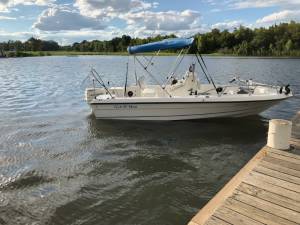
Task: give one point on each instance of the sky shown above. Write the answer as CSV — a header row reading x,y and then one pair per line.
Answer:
x,y
68,21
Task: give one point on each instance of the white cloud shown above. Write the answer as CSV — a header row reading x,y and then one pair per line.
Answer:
x,y
215,10
166,21
110,8
6,4
33,2
70,36
229,25
7,18
241,4
140,20
282,16
287,10
22,36
139,17
81,35
60,18
88,20
143,33
63,37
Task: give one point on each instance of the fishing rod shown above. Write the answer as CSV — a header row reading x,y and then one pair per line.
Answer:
x,y
100,81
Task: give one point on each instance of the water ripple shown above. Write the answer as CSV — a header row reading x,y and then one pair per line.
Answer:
x,y
61,166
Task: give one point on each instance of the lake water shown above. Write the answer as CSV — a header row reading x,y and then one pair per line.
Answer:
x,y
58,165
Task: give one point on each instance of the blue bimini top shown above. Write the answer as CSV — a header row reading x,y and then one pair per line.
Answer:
x,y
171,43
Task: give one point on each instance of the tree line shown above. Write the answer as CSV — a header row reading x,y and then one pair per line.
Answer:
x,y
277,40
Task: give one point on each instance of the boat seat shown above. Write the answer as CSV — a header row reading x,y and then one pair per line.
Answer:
x,y
104,97
260,90
148,92
179,84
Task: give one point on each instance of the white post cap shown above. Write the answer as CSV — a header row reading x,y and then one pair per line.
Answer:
x,y
279,134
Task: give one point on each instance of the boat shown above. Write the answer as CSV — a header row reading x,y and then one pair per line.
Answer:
x,y
184,98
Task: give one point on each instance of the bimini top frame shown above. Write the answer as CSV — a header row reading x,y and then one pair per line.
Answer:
x,y
168,44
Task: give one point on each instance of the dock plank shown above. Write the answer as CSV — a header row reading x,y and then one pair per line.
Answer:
x,y
284,153
279,168
234,217
270,196
275,181
277,174
267,206
215,221
285,158
256,214
257,182
281,162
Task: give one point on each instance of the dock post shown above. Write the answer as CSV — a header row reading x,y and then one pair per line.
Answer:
x,y
279,134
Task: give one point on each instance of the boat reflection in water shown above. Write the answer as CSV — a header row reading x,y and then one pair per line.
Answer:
x,y
251,128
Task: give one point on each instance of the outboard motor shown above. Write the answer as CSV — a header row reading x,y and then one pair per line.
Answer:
x,y
287,89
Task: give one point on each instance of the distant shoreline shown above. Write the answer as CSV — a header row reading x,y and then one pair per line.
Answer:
x,y
77,53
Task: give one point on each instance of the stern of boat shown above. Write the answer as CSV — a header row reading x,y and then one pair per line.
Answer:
x,y
92,93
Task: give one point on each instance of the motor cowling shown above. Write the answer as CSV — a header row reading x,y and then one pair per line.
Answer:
x,y
287,89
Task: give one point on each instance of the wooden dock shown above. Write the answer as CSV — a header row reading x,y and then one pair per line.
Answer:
x,y
265,191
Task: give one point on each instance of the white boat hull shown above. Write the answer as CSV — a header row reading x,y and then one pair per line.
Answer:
x,y
179,111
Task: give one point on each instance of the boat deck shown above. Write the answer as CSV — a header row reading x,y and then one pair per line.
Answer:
x,y
265,191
